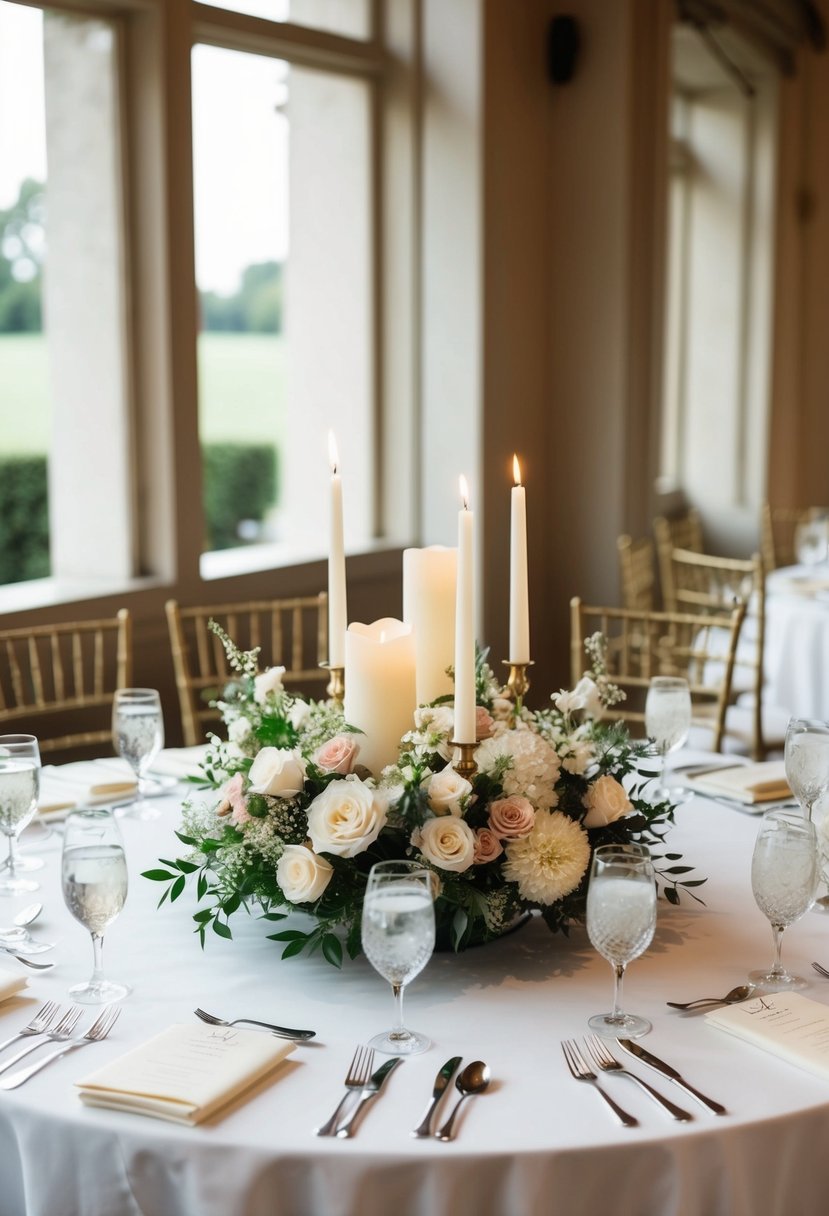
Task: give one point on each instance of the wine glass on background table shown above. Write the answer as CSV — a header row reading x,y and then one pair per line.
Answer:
x,y
138,737
807,760
398,937
621,918
667,722
94,878
19,786
784,875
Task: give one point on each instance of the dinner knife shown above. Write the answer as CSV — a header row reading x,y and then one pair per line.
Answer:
x,y
370,1090
640,1053
441,1085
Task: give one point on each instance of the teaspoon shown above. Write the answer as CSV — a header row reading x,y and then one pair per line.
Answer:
x,y
26,916
741,993
473,1080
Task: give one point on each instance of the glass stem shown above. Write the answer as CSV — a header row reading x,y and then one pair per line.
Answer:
x,y
12,856
618,979
398,1030
777,935
98,958
809,807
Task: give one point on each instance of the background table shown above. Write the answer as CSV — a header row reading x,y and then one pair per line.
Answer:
x,y
797,640
536,1143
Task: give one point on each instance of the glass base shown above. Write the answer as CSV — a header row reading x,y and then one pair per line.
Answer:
x,y
625,1026
407,1043
138,810
17,885
26,864
768,981
99,992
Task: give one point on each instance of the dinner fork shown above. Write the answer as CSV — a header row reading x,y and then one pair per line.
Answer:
x,y
359,1071
608,1063
580,1072
99,1029
40,1022
283,1032
821,970
63,1030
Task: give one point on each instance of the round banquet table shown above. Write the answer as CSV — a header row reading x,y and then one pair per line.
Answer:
x,y
536,1144
796,659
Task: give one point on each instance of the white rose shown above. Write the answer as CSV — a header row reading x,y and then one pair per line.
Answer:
x,y
302,875
447,842
587,690
238,730
298,714
277,771
268,681
606,801
445,790
346,817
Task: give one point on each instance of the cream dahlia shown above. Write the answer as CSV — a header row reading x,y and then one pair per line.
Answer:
x,y
550,862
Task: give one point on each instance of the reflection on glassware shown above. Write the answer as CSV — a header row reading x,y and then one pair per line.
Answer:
x,y
398,936
667,721
19,785
94,877
784,877
138,737
621,918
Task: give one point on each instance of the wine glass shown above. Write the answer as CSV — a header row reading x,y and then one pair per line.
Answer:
x,y
94,878
621,918
807,760
784,878
138,737
398,934
19,785
667,720
810,541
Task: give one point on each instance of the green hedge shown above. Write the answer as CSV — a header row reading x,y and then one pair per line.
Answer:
x,y
240,483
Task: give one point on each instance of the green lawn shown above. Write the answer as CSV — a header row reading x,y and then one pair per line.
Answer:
x,y
241,386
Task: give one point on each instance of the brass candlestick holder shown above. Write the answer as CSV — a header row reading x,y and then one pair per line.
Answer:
x,y
466,766
336,682
518,682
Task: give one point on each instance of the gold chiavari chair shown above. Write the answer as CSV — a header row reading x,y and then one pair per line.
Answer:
x,y
778,532
675,532
701,647
637,572
51,674
290,632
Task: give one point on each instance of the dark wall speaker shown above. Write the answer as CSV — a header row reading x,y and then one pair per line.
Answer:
x,y
563,43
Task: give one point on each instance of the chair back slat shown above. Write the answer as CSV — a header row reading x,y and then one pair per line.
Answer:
x,y
683,531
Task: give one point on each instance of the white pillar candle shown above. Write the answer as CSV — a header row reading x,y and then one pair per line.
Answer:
x,y
429,583
519,602
465,626
337,612
379,688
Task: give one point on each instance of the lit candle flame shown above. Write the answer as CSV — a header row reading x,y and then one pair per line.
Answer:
x,y
333,458
516,470
464,489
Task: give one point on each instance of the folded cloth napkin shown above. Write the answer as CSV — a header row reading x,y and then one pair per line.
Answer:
x,y
786,1024
749,783
86,783
180,762
10,984
186,1073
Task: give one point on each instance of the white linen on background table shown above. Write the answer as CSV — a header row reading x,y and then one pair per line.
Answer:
x,y
537,1144
797,645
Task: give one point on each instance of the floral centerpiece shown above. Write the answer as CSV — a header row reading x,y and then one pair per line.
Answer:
x,y
288,819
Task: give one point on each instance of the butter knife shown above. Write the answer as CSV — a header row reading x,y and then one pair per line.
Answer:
x,y
640,1053
441,1085
370,1090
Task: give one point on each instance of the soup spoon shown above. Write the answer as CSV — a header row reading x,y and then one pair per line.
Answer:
x,y
473,1080
741,993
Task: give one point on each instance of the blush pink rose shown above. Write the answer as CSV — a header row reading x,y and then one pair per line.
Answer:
x,y
511,818
338,754
233,801
487,847
483,723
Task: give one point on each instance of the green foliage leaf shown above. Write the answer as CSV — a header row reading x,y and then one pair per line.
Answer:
x,y
177,888
295,947
158,875
221,929
332,949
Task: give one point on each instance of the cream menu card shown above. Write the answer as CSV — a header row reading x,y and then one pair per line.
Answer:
x,y
785,1023
186,1073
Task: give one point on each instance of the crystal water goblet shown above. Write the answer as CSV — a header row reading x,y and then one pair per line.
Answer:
x,y
807,760
19,786
621,918
138,737
784,877
94,880
667,721
398,937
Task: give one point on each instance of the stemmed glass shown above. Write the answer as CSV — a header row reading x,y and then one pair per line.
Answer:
x,y
94,878
398,935
621,918
138,737
784,878
667,720
807,760
19,785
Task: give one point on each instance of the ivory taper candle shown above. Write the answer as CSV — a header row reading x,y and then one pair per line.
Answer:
x,y
519,601
337,611
465,625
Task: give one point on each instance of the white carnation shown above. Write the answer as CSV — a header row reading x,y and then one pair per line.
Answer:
x,y
269,681
238,730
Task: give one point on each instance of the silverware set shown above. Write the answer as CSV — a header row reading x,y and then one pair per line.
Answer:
x,y
51,1025
596,1055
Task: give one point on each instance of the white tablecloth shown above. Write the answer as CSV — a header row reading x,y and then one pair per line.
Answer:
x,y
797,640
537,1144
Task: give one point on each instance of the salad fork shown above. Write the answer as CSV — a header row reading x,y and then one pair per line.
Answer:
x,y
608,1063
359,1071
40,1022
821,970
580,1072
99,1029
284,1032
63,1030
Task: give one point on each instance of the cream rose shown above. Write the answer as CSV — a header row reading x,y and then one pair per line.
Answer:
x,y
606,801
346,817
444,791
268,681
302,875
338,754
511,818
277,771
487,847
448,843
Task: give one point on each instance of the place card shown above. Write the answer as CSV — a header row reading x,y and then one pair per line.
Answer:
x,y
749,783
784,1023
186,1073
